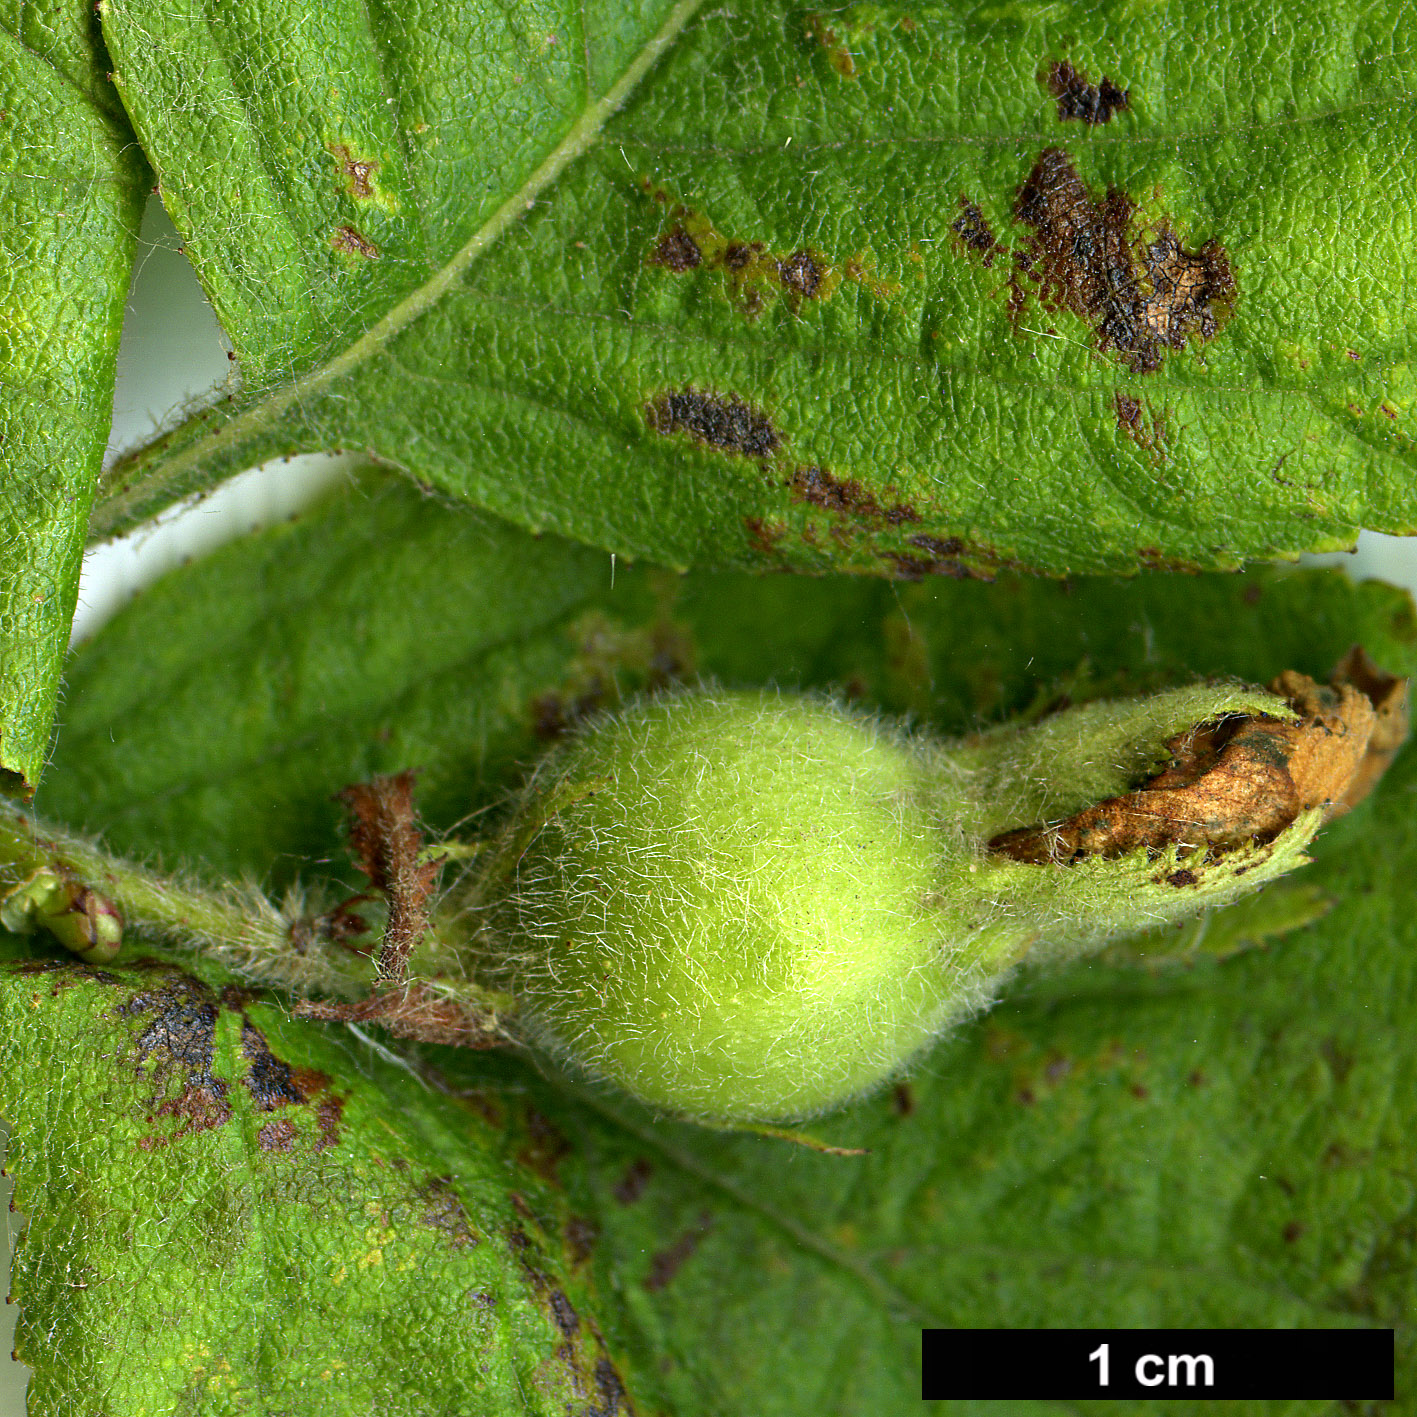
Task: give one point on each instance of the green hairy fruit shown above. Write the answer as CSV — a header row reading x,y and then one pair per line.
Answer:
x,y
750,907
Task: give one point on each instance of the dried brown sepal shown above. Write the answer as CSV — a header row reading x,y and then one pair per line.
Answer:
x,y
1389,698
1241,780
386,844
417,1012
341,925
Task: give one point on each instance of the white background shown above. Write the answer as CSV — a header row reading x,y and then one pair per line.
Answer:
x,y
172,355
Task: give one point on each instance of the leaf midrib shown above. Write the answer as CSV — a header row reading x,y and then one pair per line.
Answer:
x,y
272,406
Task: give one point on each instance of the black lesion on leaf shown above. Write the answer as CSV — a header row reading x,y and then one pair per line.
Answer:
x,y
721,421
270,1082
1142,296
443,1211
666,1263
1078,99
677,251
631,1186
180,1040
563,1313
846,497
974,231
801,273
944,556
545,1147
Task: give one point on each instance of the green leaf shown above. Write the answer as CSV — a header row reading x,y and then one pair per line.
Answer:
x,y
839,291
70,198
1227,1144
1223,1145
268,1218
378,632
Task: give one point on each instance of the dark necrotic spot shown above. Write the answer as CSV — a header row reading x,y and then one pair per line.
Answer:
x,y
181,1040
444,1212
270,1082
567,1319
666,1263
721,421
1082,258
1089,103
677,251
545,1147
279,1135
353,243
846,497
357,171
631,1186
738,253
1128,412
1181,878
581,1235
612,1390
801,272
973,230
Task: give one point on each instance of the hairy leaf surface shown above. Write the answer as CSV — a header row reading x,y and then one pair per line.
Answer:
x,y
70,197
1224,1145
874,288
293,1224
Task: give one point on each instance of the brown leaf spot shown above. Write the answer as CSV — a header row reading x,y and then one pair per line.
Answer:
x,y
1141,298
718,421
581,1235
545,1147
444,1213
631,1186
845,497
1078,99
1181,878
613,1398
838,55
279,1135
974,232
801,273
349,241
903,1100
1292,1232
666,1263
942,559
271,1082
563,1314
1241,779
677,251
764,535
181,1040
355,170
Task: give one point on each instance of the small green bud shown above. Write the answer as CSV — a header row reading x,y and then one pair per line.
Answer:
x,y
81,919
752,906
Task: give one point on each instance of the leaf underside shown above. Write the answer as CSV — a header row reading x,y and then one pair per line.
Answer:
x,y
874,289
1224,1145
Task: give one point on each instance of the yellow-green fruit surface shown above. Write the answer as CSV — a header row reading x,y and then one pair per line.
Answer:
x,y
725,909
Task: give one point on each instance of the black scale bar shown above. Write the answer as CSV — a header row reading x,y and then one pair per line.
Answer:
x,y
1353,1364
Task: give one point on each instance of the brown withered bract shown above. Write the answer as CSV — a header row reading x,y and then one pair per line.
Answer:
x,y
1243,779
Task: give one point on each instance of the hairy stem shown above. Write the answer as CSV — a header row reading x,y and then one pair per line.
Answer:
x,y
236,926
